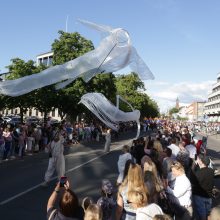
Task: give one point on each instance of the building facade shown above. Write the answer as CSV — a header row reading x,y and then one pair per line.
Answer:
x,y
195,111
212,106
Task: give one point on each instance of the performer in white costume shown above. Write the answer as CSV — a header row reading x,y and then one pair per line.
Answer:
x,y
107,140
57,161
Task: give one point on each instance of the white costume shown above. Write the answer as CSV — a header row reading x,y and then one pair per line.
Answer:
x,y
107,140
57,161
121,165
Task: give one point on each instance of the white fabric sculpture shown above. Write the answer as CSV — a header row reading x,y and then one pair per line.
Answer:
x,y
113,53
109,114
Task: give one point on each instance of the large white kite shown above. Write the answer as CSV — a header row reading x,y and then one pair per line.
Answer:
x,y
113,53
108,113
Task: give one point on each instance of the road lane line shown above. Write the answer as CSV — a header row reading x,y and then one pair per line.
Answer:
x,y
68,171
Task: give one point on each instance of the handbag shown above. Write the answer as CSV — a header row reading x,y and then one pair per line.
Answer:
x,y
165,204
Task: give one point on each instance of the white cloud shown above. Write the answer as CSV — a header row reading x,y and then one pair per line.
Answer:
x,y
165,94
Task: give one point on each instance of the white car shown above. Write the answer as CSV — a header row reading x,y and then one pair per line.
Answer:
x,y
7,119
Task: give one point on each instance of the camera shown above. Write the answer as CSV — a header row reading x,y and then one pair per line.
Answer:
x,y
63,180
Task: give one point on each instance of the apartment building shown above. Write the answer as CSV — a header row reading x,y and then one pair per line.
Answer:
x,y
212,106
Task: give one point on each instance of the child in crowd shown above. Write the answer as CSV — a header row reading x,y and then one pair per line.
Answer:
x,y
106,201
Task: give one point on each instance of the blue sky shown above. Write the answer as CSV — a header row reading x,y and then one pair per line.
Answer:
x,y
178,39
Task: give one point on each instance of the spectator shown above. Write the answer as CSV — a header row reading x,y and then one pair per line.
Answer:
x,y
69,208
152,181
93,212
215,213
162,217
182,193
121,163
133,180
175,149
167,162
144,211
202,179
106,201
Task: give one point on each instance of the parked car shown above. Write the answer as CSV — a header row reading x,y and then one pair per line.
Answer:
x,y
15,120
32,120
6,118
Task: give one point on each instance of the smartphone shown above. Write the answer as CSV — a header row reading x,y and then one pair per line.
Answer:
x,y
195,156
63,180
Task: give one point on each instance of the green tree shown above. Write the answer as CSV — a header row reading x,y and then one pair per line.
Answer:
x,y
131,88
69,46
19,68
173,110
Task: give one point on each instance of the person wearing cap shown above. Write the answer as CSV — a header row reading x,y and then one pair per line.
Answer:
x,y
106,201
202,179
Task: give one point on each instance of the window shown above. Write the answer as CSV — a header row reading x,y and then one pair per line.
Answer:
x,y
53,113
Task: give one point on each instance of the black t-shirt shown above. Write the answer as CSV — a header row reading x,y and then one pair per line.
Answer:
x,y
57,215
202,182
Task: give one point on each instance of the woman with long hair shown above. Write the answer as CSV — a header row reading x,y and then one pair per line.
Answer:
x,y
152,180
134,180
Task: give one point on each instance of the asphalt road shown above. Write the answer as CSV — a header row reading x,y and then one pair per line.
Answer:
x,y
22,197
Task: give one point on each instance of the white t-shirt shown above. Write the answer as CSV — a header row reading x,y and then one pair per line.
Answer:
x,y
182,190
121,165
192,150
148,212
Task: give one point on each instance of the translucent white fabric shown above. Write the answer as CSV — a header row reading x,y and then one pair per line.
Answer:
x,y
108,113
112,54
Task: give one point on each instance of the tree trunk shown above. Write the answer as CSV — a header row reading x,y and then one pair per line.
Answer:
x,y
22,114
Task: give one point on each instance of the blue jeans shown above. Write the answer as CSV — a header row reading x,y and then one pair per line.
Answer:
x,y
202,206
7,149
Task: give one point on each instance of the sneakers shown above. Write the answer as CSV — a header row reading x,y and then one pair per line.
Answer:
x,y
86,202
44,184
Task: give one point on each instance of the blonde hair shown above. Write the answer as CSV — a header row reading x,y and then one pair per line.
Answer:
x,y
93,212
158,146
178,166
215,213
137,197
134,179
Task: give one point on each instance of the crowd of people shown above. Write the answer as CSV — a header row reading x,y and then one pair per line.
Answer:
x,y
19,140
163,175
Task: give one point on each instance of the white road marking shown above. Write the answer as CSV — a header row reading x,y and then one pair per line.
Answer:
x,y
68,171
